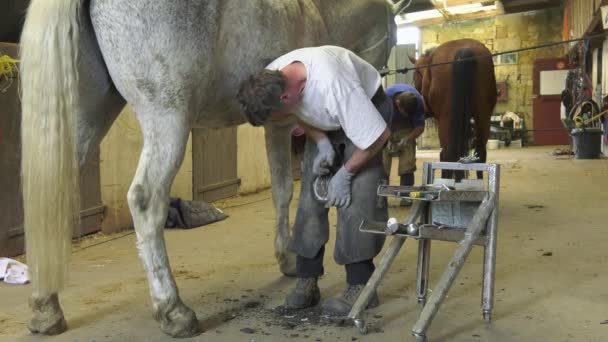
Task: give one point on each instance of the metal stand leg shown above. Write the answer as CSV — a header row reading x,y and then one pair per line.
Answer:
x,y
489,260
455,265
374,282
487,295
420,337
385,263
422,276
489,268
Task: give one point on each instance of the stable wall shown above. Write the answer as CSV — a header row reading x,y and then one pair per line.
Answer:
x,y
119,155
252,162
502,33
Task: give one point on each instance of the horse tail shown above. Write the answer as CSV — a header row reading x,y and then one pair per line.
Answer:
x,y
462,98
49,166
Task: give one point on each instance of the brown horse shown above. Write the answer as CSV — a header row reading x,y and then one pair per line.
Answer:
x,y
458,94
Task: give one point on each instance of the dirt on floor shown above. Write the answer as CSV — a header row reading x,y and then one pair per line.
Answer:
x,y
551,283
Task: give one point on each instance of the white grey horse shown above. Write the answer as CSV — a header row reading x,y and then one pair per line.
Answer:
x,y
179,65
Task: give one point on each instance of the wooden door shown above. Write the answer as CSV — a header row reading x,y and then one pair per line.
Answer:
x,y
214,168
11,208
549,80
12,17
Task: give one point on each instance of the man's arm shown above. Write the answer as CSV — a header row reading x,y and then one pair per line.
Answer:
x,y
415,133
312,132
324,159
361,157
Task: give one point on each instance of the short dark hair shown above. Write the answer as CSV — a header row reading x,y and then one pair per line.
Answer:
x,y
408,102
260,95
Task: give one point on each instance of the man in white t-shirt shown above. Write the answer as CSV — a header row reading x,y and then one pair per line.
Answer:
x,y
338,99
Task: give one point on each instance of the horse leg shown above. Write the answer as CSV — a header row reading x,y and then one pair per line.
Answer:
x,y
93,124
165,136
482,154
482,134
278,147
443,125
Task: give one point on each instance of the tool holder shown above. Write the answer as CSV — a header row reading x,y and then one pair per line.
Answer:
x,y
465,212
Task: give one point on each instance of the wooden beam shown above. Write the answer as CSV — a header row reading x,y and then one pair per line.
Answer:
x,y
453,3
500,8
439,7
516,3
455,18
418,7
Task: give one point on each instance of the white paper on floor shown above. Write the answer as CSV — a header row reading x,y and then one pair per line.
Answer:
x,y
13,271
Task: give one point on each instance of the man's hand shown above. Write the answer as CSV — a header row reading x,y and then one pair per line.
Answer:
x,y
402,142
325,157
338,192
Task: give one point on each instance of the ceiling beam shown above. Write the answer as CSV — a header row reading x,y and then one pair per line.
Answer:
x,y
454,18
439,7
453,3
515,3
500,8
418,6
528,8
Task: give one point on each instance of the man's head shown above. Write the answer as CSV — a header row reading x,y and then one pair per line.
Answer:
x,y
260,95
271,94
406,102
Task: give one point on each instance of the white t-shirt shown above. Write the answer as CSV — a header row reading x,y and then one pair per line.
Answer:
x,y
337,93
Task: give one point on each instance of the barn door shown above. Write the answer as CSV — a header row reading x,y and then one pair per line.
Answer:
x,y
214,172
547,85
11,207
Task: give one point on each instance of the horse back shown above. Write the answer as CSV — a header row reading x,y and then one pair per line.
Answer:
x,y
441,83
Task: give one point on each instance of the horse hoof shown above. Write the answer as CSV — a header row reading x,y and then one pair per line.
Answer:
x,y
48,317
180,321
287,264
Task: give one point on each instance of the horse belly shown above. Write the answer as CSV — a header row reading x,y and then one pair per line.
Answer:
x,y
265,31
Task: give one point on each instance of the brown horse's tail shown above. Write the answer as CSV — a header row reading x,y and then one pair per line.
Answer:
x,y
462,98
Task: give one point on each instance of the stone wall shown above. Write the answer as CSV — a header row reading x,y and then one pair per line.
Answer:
x,y
502,33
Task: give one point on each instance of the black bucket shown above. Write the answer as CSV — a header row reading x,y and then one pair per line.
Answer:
x,y
587,143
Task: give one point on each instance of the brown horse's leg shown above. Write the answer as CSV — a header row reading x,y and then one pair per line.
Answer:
x,y
482,154
444,138
482,131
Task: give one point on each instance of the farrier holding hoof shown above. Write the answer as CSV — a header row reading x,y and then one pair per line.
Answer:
x,y
339,101
406,126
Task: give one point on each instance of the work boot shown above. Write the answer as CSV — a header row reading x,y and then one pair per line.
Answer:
x,y
306,294
405,202
340,306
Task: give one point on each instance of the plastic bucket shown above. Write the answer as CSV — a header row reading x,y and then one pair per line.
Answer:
x,y
587,143
515,144
492,144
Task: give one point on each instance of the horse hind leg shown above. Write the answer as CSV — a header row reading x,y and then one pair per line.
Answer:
x,y
93,123
482,134
165,137
482,154
48,317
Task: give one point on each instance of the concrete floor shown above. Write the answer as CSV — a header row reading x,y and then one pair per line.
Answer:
x,y
224,269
